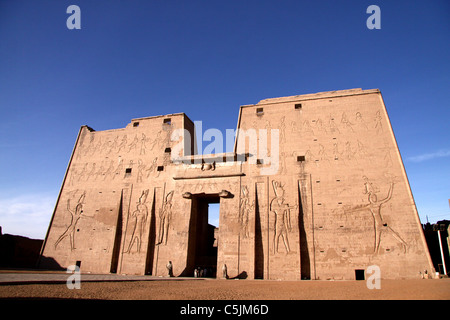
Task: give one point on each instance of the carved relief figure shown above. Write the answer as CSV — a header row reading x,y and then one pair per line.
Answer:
x,y
375,208
320,126
360,121
119,168
109,171
140,173
361,150
152,166
92,172
283,168
387,156
306,127
114,144
133,144
122,144
165,215
156,141
76,215
282,130
378,126
282,225
347,124
245,209
143,142
139,219
332,125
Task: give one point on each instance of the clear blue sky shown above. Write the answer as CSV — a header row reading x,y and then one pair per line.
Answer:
x,y
205,58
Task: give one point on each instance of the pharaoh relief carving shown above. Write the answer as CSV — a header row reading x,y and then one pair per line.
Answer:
x,y
165,216
375,205
381,226
76,214
138,222
282,212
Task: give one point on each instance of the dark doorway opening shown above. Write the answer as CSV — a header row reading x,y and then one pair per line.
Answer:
x,y
202,244
359,274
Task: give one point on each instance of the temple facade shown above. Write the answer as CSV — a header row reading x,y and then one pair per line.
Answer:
x,y
314,189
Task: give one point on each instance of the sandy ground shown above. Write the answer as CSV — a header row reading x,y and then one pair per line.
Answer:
x,y
182,289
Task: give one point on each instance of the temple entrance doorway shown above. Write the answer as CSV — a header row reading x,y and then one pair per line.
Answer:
x,y
203,236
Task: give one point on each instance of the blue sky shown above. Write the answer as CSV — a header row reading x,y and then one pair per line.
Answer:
x,y
205,58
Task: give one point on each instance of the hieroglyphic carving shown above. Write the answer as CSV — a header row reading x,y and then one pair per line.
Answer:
x,y
281,210
165,216
76,215
139,220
